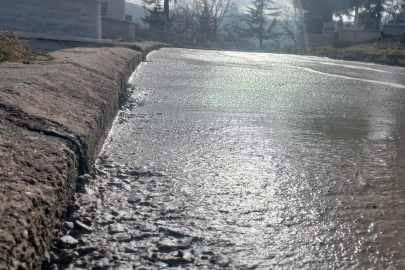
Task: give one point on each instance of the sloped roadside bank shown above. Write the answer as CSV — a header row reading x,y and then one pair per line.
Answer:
x,y
54,116
378,58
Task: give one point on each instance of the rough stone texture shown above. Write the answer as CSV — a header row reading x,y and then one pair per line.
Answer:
x,y
54,116
36,172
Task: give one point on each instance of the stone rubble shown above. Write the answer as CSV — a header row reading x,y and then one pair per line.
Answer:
x,y
113,227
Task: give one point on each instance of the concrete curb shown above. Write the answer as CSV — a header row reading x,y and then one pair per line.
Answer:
x,y
385,59
54,117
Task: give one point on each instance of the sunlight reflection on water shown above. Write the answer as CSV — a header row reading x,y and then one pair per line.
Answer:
x,y
278,167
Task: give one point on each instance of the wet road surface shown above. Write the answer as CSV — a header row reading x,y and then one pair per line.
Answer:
x,y
230,160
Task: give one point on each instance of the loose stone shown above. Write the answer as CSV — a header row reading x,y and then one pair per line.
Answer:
x,y
123,237
53,257
131,250
167,198
87,221
22,222
220,260
108,166
67,256
107,219
171,232
116,257
135,173
82,227
124,267
171,245
102,263
116,228
85,250
76,216
80,263
68,225
171,258
68,241
161,265
186,256
134,198
122,176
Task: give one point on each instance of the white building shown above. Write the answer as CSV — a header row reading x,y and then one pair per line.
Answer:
x,y
67,18
77,18
113,9
113,21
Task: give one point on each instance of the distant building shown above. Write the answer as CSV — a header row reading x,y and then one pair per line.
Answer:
x,y
366,28
113,9
399,18
128,18
76,18
114,22
396,26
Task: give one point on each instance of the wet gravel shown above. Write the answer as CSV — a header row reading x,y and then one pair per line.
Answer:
x,y
224,160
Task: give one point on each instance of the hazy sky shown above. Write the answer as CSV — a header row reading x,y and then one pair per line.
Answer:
x,y
240,3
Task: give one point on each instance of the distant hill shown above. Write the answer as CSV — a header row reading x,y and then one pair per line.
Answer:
x,y
136,11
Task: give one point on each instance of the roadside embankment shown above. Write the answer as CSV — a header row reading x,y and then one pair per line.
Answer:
x,y
387,51
54,117
385,59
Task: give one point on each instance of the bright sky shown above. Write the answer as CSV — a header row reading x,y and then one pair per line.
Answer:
x,y
137,2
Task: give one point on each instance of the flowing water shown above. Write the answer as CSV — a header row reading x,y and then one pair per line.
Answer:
x,y
253,161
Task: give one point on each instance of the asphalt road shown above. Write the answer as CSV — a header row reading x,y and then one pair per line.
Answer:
x,y
253,161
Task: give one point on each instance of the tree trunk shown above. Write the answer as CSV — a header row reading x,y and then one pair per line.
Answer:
x,y
261,24
166,10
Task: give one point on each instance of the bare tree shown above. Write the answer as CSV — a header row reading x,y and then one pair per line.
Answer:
x,y
394,6
206,15
231,28
183,21
291,21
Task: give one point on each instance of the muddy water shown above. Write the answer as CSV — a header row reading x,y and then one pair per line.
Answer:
x,y
252,161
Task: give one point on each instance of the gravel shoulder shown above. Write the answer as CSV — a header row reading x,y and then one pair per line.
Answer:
x,y
54,117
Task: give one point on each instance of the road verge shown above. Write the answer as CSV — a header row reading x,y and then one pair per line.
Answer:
x,y
385,59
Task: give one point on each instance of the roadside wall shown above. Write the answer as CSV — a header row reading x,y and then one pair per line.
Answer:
x,y
394,30
385,59
358,36
155,35
113,9
313,40
77,18
117,29
54,117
